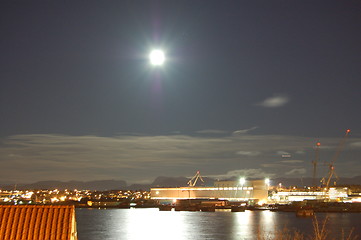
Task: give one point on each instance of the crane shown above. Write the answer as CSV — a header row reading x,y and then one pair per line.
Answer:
x,y
194,179
314,163
331,171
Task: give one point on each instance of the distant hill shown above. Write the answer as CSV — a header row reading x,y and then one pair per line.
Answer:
x,y
161,181
144,187
170,182
180,182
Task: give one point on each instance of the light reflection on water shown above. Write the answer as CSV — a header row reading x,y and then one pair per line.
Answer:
x,y
114,224
141,223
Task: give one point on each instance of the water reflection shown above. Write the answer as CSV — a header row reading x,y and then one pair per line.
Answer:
x,y
267,223
139,224
243,225
130,224
248,225
151,223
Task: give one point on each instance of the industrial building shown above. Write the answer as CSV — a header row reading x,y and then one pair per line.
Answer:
x,y
255,191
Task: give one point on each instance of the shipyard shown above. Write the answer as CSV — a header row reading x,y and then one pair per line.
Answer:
x,y
259,194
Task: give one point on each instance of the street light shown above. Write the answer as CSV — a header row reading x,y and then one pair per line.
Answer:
x,y
267,181
242,181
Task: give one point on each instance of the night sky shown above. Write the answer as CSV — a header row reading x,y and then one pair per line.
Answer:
x,y
247,89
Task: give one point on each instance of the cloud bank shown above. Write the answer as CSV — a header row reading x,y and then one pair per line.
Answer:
x,y
34,157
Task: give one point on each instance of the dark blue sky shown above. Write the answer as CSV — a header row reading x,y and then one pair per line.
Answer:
x,y
79,69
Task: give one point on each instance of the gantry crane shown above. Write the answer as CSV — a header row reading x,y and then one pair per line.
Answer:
x,y
194,179
314,163
331,171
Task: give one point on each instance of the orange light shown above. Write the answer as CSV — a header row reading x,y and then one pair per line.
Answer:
x,y
318,144
348,130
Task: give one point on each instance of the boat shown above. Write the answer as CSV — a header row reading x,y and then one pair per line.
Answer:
x,y
208,208
305,212
165,208
238,208
191,208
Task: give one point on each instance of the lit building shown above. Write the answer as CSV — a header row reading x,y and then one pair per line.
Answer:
x,y
287,196
243,190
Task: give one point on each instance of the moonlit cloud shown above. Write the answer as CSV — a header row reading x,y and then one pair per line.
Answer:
x,y
282,153
248,173
355,145
272,165
211,131
296,171
275,101
244,131
141,158
286,165
248,153
292,161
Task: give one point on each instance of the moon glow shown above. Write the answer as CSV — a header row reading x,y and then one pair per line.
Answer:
x,y
156,57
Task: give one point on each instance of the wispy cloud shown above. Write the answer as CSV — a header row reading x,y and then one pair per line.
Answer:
x,y
296,171
211,131
275,101
355,145
272,165
244,131
248,173
285,164
249,153
282,153
292,161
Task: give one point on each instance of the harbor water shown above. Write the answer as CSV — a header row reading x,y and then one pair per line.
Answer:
x,y
130,224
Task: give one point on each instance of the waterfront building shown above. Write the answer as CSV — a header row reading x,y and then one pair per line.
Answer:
x,y
333,194
255,191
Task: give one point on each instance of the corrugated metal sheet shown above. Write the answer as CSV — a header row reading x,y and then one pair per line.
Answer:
x,y
33,222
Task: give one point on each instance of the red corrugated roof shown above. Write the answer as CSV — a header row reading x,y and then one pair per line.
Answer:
x,y
46,222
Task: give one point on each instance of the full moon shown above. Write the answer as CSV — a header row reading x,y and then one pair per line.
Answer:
x,y
156,57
